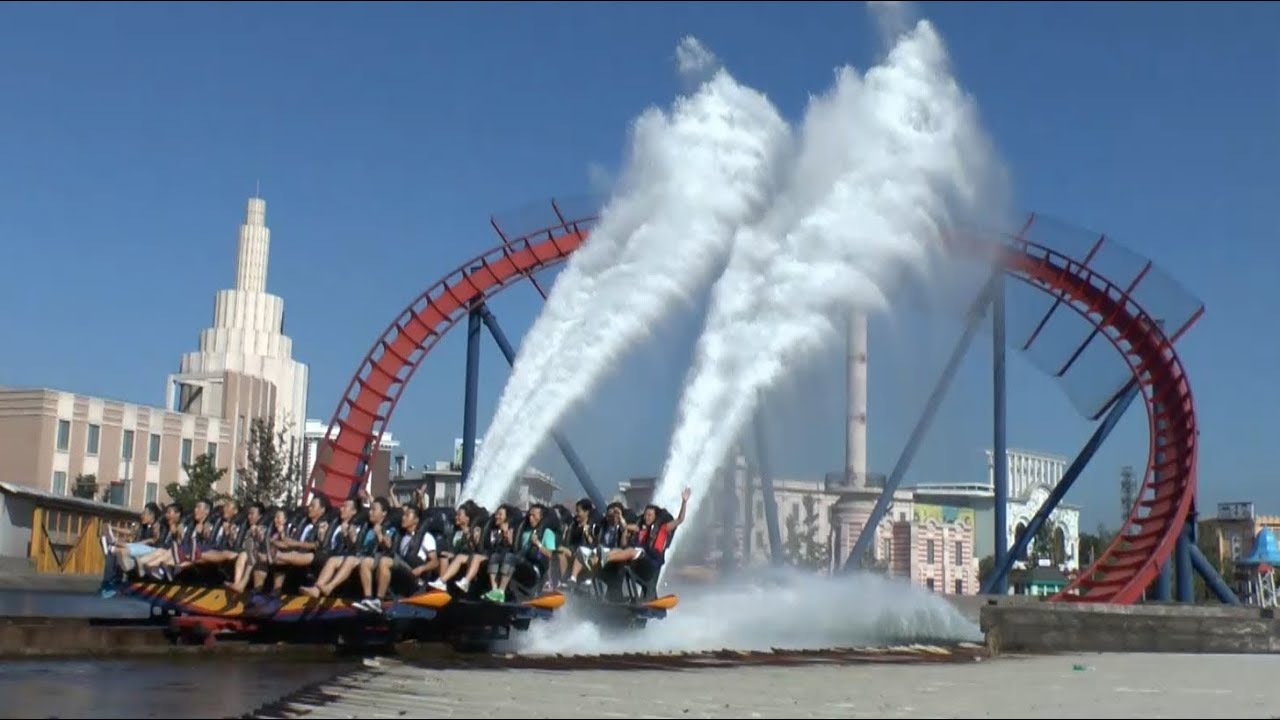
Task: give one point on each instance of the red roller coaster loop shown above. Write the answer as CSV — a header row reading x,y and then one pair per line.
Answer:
x,y
1119,575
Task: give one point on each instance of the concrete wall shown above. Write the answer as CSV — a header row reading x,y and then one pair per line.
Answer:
x,y
15,525
1037,627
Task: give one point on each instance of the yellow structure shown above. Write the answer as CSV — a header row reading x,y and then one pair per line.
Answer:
x,y
57,535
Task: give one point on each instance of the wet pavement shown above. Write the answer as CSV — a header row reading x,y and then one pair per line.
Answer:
x,y
29,603
169,688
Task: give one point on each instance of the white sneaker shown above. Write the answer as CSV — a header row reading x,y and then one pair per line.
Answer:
x,y
438,585
463,584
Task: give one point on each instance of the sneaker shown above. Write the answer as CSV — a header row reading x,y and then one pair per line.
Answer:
x,y
496,595
438,585
371,605
463,584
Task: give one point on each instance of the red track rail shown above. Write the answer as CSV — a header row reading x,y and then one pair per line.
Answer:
x,y
1120,575
1133,560
371,396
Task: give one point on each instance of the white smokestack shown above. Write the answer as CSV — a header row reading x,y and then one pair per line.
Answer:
x,y
856,423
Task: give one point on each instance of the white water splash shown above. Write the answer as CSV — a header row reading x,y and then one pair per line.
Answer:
x,y
792,610
888,160
694,176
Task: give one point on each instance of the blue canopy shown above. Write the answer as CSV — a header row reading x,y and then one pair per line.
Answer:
x,y
1265,550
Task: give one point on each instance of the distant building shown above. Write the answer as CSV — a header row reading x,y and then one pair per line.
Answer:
x,y
442,483
243,370
935,549
1230,534
1032,476
48,438
247,337
819,523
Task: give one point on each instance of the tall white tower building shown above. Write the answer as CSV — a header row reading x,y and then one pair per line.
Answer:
x,y
247,337
856,422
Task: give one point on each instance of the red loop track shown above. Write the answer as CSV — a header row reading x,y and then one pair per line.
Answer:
x,y
1119,575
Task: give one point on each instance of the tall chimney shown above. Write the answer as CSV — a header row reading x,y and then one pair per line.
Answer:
x,y
856,421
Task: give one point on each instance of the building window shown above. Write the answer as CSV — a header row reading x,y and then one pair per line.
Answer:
x,y
928,552
959,587
118,494
91,445
153,453
59,483
186,451
212,451
929,583
64,435
150,491
126,446
959,553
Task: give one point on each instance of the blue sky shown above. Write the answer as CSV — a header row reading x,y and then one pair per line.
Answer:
x,y
384,137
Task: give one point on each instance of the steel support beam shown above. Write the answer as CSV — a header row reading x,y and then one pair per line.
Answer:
x,y
471,395
570,457
766,490
999,447
1212,579
1164,581
999,576
974,319
1186,586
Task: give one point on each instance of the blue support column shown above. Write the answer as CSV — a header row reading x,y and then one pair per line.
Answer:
x,y
1211,577
471,395
1164,583
973,321
999,448
1001,572
570,457
1186,588
766,490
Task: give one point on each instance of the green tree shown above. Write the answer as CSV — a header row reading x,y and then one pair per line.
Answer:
x,y
1042,544
271,474
986,568
803,547
202,483
86,486
1092,546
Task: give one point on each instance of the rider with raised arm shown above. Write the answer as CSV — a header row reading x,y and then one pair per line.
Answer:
x,y
653,536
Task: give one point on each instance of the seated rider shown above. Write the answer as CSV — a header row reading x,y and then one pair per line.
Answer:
x,y
122,556
536,546
300,547
653,537
468,549
404,571
608,548
172,532
345,547
223,538
578,533
254,556
378,541
499,546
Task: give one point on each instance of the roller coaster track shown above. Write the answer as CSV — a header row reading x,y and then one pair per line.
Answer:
x,y
1119,575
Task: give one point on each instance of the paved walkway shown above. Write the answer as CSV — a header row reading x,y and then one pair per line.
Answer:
x,y
1148,686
